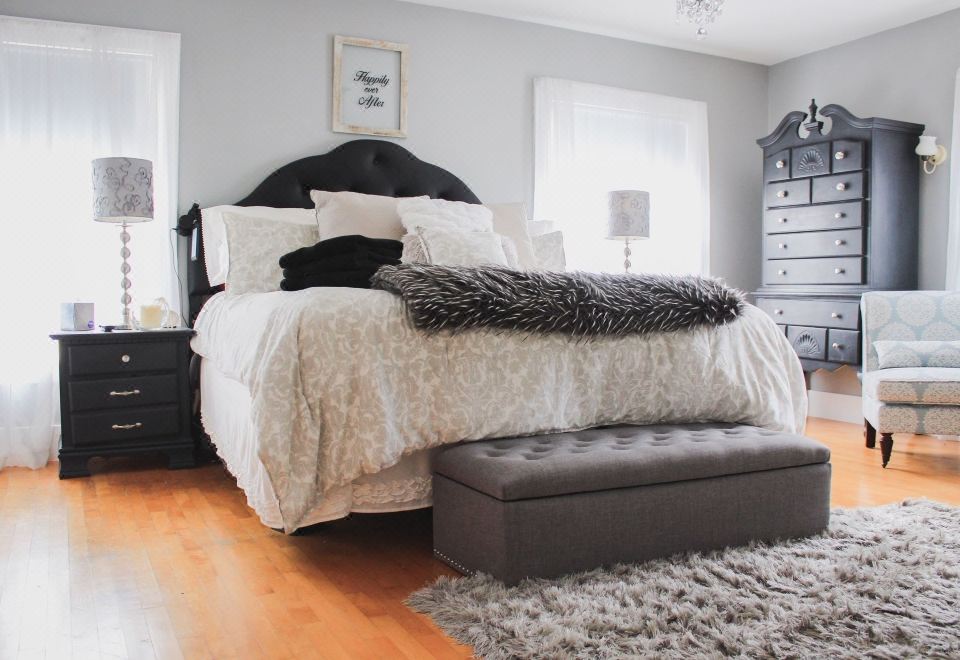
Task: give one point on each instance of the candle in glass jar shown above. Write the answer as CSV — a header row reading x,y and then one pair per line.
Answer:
x,y
151,316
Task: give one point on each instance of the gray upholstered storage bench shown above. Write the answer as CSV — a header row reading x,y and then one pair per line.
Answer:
x,y
548,505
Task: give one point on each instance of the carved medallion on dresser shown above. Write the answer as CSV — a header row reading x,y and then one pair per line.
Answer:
x,y
840,218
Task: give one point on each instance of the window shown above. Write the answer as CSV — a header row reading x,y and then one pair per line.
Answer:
x,y
592,139
70,93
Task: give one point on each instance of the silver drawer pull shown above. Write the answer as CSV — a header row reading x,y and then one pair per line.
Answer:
x,y
124,358
840,155
127,427
781,164
835,315
781,194
781,272
782,246
839,242
839,271
778,312
841,186
782,220
836,346
124,393
838,215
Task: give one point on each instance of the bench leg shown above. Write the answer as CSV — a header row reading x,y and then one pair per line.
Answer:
x,y
886,447
870,434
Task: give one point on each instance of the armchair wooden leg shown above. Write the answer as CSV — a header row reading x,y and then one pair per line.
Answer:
x,y
886,447
870,434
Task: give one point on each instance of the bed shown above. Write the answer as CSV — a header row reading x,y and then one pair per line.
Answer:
x,y
327,401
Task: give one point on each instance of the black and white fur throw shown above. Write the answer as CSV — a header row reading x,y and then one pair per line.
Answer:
x,y
583,305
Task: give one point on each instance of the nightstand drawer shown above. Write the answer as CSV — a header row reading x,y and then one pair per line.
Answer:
x,y
94,359
123,392
118,426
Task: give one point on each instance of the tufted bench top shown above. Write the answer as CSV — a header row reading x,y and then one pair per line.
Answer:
x,y
621,457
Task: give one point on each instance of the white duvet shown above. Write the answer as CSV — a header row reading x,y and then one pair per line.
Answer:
x,y
342,385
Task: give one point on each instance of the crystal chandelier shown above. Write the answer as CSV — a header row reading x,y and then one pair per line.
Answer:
x,y
701,12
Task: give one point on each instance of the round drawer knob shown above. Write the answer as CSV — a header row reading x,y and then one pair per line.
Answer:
x,y
778,312
840,155
835,315
837,346
839,242
838,215
841,186
782,246
839,271
782,220
124,358
781,164
781,194
781,272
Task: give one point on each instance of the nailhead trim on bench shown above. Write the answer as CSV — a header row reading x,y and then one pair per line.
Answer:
x,y
452,562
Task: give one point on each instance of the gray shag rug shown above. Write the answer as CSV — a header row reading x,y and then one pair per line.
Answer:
x,y
881,582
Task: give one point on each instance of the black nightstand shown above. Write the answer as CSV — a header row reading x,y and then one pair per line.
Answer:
x,y
124,393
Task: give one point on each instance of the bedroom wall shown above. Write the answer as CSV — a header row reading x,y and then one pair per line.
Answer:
x,y
256,77
908,73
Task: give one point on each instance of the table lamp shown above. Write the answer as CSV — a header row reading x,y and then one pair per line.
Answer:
x,y
629,219
123,194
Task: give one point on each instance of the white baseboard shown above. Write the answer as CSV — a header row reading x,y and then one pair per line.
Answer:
x,y
839,407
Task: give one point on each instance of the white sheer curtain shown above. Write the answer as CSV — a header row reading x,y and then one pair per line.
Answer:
x,y
953,236
591,139
70,93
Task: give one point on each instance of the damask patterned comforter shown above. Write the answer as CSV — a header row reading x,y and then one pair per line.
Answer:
x,y
342,385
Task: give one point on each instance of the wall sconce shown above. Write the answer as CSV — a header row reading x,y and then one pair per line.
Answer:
x,y
931,153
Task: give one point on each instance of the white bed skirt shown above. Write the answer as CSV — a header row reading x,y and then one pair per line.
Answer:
x,y
225,413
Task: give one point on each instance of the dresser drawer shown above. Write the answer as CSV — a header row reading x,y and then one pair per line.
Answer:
x,y
119,426
123,392
840,270
813,218
838,187
847,156
827,313
814,244
94,359
808,342
777,166
843,346
787,193
811,160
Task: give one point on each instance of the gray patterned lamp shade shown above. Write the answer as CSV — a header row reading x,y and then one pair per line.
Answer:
x,y
629,214
122,190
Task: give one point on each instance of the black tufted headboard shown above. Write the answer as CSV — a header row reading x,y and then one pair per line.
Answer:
x,y
375,167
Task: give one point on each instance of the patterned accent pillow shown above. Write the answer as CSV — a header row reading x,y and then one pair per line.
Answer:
x,y
255,246
549,250
415,253
450,247
895,354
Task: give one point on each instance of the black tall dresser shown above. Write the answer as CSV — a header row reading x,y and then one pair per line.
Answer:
x,y
840,218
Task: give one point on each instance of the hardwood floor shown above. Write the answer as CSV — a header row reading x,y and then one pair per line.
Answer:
x,y
136,561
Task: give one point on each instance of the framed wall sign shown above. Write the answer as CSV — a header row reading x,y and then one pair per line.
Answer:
x,y
369,87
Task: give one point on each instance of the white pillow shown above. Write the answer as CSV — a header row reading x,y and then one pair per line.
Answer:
x,y
415,253
347,213
216,255
255,248
549,251
453,247
442,213
510,220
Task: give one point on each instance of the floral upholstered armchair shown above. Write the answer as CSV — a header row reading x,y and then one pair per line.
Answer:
x,y
911,364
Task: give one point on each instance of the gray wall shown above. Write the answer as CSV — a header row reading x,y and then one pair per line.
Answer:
x,y
908,73
256,80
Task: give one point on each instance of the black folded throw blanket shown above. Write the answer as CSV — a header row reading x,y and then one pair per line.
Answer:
x,y
583,305
345,261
